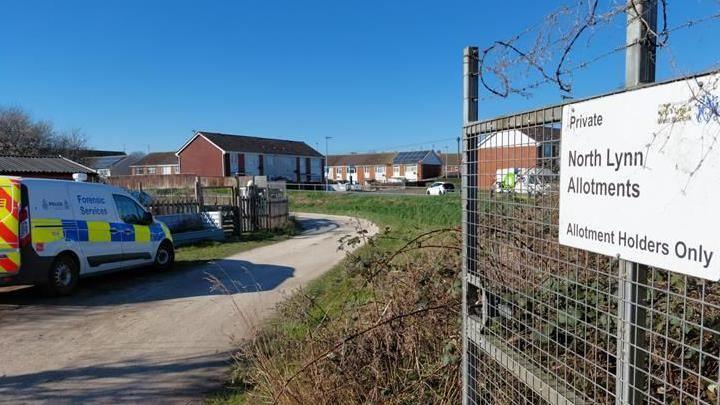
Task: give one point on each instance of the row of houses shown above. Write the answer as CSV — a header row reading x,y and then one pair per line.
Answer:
x,y
217,154
385,167
213,154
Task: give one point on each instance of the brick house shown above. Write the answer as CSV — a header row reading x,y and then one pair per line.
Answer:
x,y
162,163
451,164
361,167
385,167
216,154
417,166
517,150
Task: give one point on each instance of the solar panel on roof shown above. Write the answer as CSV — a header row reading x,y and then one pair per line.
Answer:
x,y
103,162
409,157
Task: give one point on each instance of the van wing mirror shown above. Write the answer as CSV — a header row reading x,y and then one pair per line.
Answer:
x,y
147,218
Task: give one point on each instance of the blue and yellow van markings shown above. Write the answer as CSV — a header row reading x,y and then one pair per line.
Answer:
x,y
48,230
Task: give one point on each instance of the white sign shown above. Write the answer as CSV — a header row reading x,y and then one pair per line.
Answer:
x,y
640,176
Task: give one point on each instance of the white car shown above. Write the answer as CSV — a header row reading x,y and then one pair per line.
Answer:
x,y
58,231
348,187
440,188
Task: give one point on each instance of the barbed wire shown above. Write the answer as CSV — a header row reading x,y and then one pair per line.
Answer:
x,y
510,55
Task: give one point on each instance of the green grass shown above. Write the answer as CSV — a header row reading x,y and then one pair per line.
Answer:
x,y
206,251
406,216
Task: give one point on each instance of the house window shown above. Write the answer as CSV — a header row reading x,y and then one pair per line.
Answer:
x,y
151,170
167,170
396,170
351,169
379,169
367,169
411,169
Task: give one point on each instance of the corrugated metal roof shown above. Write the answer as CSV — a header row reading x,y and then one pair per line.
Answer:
x,y
40,164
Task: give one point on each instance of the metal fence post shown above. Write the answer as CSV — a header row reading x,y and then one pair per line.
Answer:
x,y
631,374
469,198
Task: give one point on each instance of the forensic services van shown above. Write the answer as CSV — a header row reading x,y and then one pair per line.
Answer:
x,y
52,232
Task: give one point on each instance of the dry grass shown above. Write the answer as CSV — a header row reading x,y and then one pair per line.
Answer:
x,y
382,328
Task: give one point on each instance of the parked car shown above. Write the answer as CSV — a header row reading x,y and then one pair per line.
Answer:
x,y
440,188
348,187
57,231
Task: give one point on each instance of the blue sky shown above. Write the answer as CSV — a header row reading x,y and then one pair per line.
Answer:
x,y
374,75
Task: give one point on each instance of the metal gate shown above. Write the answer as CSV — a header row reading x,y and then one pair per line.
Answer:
x,y
546,323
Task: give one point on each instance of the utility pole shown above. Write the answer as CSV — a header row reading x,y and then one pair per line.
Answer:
x,y
632,277
458,155
447,155
327,168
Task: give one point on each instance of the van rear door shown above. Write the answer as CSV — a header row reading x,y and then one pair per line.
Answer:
x,y
9,225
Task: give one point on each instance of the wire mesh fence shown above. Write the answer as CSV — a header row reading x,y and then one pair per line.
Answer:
x,y
542,320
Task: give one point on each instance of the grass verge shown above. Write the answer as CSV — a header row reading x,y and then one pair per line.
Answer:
x,y
353,334
212,250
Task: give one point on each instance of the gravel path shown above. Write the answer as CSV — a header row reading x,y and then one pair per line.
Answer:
x,y
148,337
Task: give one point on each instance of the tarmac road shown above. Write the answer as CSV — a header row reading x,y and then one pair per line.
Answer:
x,y
148,337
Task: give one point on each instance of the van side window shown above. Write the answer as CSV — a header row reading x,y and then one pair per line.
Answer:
x,y
130,212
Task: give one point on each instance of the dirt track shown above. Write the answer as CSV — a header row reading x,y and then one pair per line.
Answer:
x,y
141,336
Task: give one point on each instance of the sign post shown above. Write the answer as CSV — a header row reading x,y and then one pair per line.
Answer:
x,y
632,277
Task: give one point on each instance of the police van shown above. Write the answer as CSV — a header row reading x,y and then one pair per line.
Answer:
x,y
52,232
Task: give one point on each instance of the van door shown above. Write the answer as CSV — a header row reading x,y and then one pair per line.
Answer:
x,y
9,226
138,246
94,214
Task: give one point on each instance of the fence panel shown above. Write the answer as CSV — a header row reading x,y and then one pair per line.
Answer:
x,y
542,319
174,206
240,214
177,181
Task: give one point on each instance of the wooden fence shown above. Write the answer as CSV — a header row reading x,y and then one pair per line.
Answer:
x,y
174,206
244,214
176,181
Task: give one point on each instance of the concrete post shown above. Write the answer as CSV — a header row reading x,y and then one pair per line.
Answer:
x,y
469,198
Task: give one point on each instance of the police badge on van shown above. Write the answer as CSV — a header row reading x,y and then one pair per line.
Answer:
x,y
55,205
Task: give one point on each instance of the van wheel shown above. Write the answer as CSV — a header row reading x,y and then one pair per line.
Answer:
x,y
63,276
165,256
